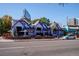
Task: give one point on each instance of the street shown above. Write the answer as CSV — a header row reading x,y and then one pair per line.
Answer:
x,y
40,48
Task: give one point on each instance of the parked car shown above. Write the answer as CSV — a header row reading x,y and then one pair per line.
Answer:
x,y
69,36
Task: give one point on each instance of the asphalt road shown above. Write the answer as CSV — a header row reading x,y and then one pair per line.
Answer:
x,y
40,48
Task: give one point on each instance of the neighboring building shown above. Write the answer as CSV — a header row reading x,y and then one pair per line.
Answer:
x,y
72,22
73,26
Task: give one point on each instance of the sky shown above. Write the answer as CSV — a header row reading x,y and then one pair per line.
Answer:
x,y
52,11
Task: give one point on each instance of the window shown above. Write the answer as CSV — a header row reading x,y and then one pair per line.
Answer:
x,y
46,33
20,33
38,28
39,34
26,33
18,28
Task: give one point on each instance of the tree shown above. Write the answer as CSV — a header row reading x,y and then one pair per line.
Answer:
x,y
7,22
43,20
33,21
1,27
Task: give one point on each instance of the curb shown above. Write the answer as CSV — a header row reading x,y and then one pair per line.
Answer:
x,y
7,41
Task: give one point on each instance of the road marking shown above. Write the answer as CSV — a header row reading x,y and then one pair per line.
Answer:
x,y
11,48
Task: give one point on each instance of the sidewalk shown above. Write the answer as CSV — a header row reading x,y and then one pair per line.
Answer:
x,y
30,40
5,40
27,40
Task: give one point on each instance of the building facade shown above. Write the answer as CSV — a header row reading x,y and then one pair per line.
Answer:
x,y
73,26
21,28
41,29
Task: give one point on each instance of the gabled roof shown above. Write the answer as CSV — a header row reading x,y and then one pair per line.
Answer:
x,y
42,24
25,20
55,25
22,21
36,23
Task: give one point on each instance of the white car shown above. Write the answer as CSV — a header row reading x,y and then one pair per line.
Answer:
x,y
69,36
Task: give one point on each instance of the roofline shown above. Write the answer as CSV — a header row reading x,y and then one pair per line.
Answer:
x,y
19,21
